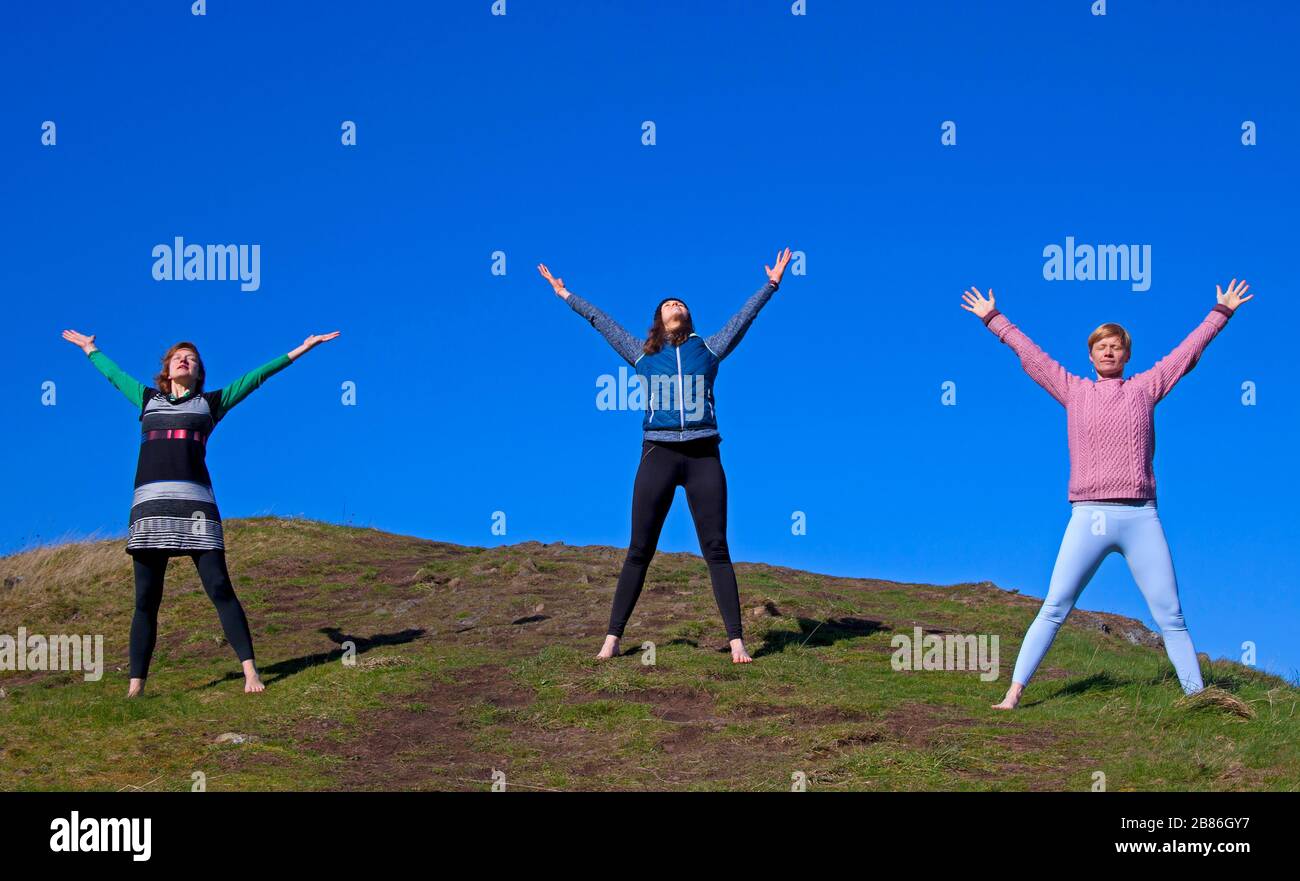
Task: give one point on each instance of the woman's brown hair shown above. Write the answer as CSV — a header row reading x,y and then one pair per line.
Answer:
x,y
660,335
163,379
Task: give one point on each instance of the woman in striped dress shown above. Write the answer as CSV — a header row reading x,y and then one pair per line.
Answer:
x,y
174,511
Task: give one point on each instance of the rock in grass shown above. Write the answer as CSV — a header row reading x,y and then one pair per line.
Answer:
x,y
237,739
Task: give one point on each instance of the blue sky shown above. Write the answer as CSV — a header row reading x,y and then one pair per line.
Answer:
x,y
522,134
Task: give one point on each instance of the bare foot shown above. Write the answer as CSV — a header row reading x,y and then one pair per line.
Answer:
x,y
610,648
252,681
1013,697
137,686
738,653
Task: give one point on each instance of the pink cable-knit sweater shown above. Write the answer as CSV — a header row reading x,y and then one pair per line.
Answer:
x,y
1110,422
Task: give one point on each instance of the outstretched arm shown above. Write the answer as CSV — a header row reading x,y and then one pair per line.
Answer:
x,y
627,346
1166,372
725,341
244,386
123,381
1040,366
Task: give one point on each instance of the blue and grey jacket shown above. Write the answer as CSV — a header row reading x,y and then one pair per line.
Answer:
x,y
677,381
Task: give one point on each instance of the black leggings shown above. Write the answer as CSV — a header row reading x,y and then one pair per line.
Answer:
x,y
697,466
150,567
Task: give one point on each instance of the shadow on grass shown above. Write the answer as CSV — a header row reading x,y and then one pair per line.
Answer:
x,y
530,619
1096,682
811,632
281,669
818,634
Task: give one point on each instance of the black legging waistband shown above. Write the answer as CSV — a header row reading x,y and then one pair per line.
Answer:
x,y
704,446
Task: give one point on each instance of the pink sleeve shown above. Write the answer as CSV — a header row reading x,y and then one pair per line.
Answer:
x,y
1166,372
1040,366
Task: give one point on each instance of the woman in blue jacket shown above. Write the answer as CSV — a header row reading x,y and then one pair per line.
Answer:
x,y
677,368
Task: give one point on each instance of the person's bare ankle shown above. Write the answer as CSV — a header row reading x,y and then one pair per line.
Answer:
x,y
1012,700
252,680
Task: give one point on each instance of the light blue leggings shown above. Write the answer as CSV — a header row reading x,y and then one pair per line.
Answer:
x,y
1094,531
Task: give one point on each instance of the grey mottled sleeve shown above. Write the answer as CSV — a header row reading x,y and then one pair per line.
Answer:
x,y
724,341
628,346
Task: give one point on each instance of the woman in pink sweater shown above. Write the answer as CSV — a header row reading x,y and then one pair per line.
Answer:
x,y
1111,429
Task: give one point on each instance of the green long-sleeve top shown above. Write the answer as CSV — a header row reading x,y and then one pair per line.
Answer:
x,y
229,396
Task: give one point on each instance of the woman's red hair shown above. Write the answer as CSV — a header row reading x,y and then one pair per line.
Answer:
x,y
163,379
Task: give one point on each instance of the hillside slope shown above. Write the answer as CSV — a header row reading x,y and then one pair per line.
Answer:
x,y
474,660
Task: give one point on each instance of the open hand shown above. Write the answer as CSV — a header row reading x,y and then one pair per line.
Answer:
x,y
782,258
81,341
1233,298
975,302
316,339
556,283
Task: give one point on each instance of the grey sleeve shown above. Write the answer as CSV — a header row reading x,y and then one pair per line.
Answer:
x,y
627,346
724,341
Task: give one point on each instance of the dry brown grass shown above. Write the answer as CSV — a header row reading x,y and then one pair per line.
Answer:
x,y
1215,698
51,583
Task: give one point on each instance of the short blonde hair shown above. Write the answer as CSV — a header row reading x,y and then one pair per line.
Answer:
x,y
1110,329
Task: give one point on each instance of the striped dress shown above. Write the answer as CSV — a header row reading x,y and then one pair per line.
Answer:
x,y
174,510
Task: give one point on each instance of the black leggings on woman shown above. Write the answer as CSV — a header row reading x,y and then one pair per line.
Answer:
x,y
150,567
697,466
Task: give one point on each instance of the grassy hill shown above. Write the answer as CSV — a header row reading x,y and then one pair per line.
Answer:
x,y
470,660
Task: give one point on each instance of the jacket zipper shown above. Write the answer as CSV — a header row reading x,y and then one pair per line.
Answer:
x,y
681,403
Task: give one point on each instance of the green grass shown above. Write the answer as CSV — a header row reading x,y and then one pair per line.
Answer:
x,y
471,661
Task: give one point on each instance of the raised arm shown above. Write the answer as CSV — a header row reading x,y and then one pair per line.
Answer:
x,y
1040,366
1164,375
627,346
123,381
725,341
253,379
